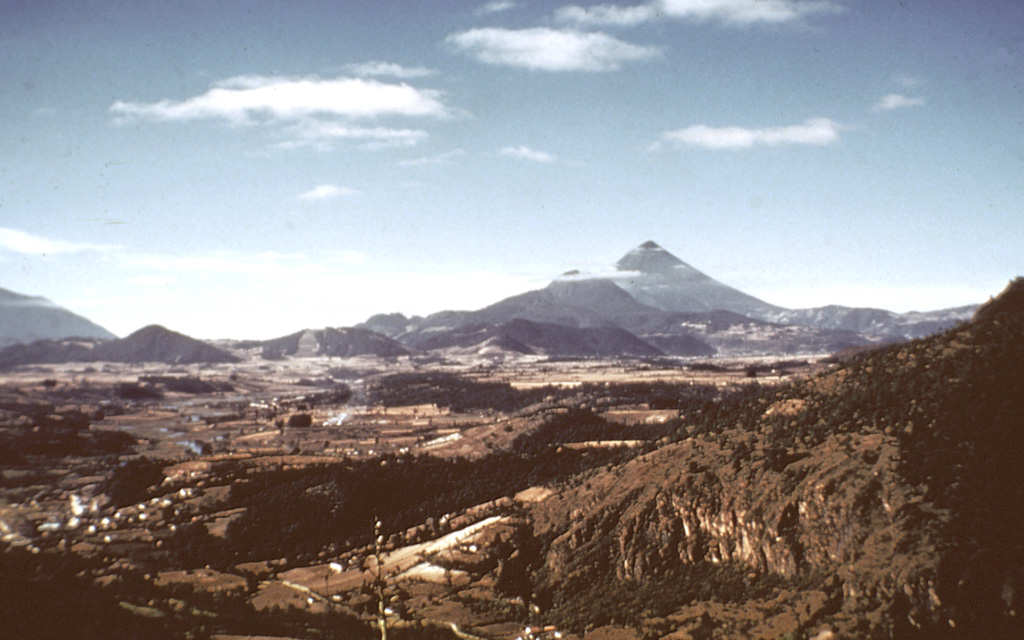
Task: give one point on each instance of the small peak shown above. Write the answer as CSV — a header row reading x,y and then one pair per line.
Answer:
x,y
650,244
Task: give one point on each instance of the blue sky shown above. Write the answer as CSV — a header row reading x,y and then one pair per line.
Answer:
x,y
248,169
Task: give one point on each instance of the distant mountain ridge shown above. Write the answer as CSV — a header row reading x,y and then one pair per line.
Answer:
x,y
26,319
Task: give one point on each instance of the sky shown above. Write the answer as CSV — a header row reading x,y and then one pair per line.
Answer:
x,y
247,169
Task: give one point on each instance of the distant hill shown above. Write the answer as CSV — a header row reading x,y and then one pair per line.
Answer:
x,y
25,319
342,343
389,324
158,344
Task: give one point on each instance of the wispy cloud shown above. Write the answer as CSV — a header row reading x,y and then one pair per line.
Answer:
x,y
895,101
546,49
17,241
815,131
326,192
441,158
321,134
248,99
389,69
733,12
526,153
498,6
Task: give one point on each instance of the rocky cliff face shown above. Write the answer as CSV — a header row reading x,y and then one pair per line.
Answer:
x,y
837,519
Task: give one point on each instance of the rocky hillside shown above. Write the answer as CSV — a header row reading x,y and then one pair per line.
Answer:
x,y
25,319
880,499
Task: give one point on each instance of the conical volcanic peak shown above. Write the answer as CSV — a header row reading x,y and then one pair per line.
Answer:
x,y
656,278
651,258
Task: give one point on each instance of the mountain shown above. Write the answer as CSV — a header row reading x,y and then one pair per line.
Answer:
x,y
881,498
674,308
342,343
25,319
657,278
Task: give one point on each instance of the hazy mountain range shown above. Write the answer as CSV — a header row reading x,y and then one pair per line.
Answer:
x,y
674,308
650,303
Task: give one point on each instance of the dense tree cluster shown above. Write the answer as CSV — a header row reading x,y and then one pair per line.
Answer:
x,y
461,393
583,425
45,434
186,384
296,513
131,481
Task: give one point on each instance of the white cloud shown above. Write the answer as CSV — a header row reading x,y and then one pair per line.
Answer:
x,y
607,15
21,242
321,133
894,101
815,131
244,99
441,158
526,153
497,6
735,12
326,192
546,49
378,68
